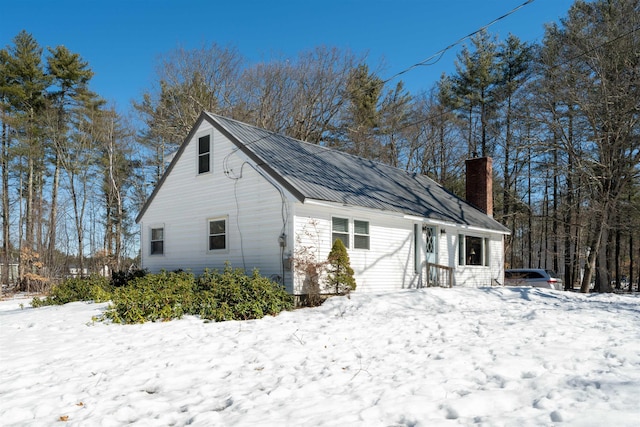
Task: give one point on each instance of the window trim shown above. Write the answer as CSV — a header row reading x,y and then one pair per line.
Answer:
x,y
200,154
417,247
226,234
346,233
152,241
367,235
484,256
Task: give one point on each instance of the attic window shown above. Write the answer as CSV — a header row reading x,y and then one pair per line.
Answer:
x,y
204,154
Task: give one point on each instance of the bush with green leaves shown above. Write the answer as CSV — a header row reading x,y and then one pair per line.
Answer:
x,y
93,288
142,297
122,278
153,297
233,295
230,295
339,271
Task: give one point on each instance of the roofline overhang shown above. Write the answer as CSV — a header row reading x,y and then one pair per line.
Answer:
x,y
260,163
416,218
455,225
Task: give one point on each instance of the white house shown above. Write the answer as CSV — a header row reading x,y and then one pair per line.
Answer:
x,y
256,199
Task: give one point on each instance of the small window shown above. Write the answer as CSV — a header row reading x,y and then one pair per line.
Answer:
x,y
360,234
472,250
204,154
217,234
340,230
157,241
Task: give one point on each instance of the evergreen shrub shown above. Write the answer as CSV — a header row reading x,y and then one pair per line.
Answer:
x,y
230,295
138,297
339,271
122,278
153,297
93,288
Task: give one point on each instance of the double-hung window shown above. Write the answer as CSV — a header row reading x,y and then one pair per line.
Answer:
x,y
157,241
204,154
340,230
217,234
360,234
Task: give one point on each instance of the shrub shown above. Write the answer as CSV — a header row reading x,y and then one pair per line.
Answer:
x,y
94,288
137,297
162,296
122,278
230,295
340,273
307,266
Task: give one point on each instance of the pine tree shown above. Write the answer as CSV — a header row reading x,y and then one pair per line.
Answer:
x,y
360,126
70,76
340,273
600,83
24,87
475,86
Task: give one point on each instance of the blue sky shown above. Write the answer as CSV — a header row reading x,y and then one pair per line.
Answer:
x,y
123,39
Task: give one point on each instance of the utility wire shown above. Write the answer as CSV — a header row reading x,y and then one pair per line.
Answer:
x,y
551,67
433,116
440,53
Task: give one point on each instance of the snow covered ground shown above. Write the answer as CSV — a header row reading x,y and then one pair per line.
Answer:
x,y
432,357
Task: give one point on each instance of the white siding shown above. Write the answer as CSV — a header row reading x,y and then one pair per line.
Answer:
x,y
479,276
257,214
387,265
390,263
252,206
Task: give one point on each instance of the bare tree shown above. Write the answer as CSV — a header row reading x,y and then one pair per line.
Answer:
x,y
602,80
189,81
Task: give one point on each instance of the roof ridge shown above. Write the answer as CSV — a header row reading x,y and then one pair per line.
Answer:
x,y
220,118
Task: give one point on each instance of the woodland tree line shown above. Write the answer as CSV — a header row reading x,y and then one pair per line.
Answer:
x,y
560,118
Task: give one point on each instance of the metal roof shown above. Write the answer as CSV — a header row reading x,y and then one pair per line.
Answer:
x,y
315,172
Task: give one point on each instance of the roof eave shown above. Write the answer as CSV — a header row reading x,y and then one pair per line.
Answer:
x,y
174,160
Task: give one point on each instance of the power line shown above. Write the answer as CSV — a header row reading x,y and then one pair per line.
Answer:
x,y
551,67
440,53
440,114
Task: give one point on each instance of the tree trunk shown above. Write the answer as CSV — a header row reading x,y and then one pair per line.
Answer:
x,y
595,248
616,259
506,202
53,214
28,209
6,243
631,261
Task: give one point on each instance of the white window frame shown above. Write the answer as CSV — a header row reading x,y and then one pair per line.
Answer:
x,y
463,256
208,153
152,241
367,235
344,234
417,247
225,234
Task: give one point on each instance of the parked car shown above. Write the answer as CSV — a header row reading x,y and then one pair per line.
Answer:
x,y
536,277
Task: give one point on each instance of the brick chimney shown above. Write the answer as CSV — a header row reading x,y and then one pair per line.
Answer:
x,y
480,183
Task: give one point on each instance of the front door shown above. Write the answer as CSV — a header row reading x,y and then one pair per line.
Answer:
x,y
431,254
431,245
